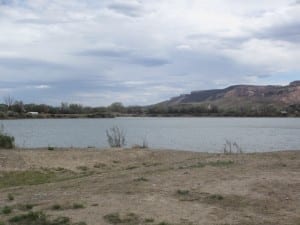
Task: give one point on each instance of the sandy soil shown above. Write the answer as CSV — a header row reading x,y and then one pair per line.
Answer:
x,y
174,187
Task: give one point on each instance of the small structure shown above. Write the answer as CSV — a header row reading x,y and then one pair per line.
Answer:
x,y
284,113
33,113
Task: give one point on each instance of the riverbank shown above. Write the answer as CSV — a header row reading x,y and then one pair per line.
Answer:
x,y
153,187
116,115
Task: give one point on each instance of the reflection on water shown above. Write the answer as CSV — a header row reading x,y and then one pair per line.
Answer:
x,y
197,134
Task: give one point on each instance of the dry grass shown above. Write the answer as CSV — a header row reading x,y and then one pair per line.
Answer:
x,y
152,187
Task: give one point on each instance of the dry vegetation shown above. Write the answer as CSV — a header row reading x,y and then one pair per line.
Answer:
x,y
132,187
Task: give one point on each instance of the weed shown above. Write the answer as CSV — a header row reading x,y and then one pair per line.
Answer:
x,y
218,163
144,145
183,192
149,164
77,206
216,197
99,165
115,137
60,169
50,148
91,146
6,141
141,179
163,223
10,197
6,210
221,163
115,218
131,167
230,146
82,168
39,218
95,204
198,165
25,207
56,207
18,178
149,220
80,223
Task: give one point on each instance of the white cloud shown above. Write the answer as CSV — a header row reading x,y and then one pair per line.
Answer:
x,y
151,49
273,55
42,86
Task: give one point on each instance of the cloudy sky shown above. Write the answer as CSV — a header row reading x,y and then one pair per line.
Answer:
x,y
140,51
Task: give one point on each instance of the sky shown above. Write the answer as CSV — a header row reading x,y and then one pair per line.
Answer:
x,y
141,52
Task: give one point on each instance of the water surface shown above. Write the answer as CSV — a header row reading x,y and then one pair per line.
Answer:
x,y
196,134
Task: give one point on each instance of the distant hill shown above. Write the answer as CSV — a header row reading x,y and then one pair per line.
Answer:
x,y
241,97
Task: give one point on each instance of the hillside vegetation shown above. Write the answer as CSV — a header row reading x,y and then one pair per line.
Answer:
x,y
238,100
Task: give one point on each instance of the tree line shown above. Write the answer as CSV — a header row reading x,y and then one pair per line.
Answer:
x,y
16,108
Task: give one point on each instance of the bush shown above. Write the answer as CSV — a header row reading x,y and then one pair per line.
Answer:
x,y
50,148
115,137
230,146
6,141
78,206
10,197
56,207
39,218
6,210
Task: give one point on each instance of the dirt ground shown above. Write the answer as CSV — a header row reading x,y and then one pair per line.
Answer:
x,y
153,186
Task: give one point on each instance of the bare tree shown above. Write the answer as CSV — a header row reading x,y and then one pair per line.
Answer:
x,y
9,101
115,137
229,147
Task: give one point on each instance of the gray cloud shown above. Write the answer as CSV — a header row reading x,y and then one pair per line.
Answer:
x,y
149,61
286,32
4,2
296,2
127,9
113,53
42,21
126,56
24,63
221,42
97,52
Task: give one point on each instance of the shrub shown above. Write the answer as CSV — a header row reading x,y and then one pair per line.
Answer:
x,y
77,206
25,207
56,207
6,210
141,179
10,197
29,177
115,137
216,197
82,168
183,192
144,145
149,220
113,218
50,148
38,218
6,141
230,146
116,218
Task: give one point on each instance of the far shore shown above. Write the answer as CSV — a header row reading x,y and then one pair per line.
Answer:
x,y
83,116
150,186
